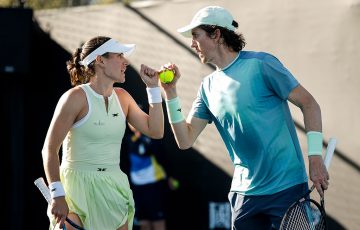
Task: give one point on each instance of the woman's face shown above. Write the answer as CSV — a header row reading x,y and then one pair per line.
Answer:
x,y
115,66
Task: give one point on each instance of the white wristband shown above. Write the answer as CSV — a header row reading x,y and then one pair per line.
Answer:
x,y
56,189
154,95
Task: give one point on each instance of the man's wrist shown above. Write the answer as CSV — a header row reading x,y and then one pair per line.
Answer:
x,y
314,141
174,110
170,93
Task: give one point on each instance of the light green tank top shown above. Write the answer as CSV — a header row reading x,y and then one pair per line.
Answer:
x,y
96,139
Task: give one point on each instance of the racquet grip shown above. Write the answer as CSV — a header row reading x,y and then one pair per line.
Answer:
x,y
41,185
329,152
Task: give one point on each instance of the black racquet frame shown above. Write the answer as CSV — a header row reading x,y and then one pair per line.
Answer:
x,y
289,221
305,202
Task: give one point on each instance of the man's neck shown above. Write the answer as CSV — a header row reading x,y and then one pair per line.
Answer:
x,y
225,58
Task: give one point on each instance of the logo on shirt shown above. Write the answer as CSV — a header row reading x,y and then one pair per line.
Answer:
x,y
179,109
115,114
99,123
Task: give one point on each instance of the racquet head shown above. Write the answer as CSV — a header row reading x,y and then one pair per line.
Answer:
x,y
305,214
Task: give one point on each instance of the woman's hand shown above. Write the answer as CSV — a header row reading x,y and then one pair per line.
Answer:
x,y
149,76
60,210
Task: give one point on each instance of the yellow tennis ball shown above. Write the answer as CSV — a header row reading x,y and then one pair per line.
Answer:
x,y
166,76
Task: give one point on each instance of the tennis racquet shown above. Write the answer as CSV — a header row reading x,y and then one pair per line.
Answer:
x,y
306,213
41,185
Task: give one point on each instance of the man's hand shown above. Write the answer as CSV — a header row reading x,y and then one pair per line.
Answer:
x,y
318,174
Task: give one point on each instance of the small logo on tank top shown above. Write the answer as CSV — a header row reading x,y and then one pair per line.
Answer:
x,y
115,114
99,123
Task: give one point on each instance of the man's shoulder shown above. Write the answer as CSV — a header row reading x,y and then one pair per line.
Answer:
x,y
261,55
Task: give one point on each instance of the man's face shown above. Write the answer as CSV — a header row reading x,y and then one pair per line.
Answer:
x,y
203,45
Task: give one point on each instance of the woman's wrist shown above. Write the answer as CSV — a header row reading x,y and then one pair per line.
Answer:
x,y
56,189
154,95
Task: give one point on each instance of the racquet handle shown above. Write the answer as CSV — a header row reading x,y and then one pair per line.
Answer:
x,y
329,152
40,183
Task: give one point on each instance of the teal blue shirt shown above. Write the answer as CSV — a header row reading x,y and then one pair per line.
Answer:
x,y
247,101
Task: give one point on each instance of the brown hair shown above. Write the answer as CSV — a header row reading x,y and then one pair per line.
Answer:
x,y
235,41
80,74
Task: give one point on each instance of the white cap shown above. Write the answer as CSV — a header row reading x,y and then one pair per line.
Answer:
x,y
111,46
210,15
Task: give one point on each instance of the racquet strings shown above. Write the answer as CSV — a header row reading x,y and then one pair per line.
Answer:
x,y
304,215
307,213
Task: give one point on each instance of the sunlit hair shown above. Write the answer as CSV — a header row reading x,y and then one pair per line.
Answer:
x,y
80,74
235,41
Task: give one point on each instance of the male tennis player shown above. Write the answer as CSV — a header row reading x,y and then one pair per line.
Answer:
x,y
247,99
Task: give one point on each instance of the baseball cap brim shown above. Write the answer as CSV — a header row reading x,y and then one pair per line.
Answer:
x,y
210,15
186,30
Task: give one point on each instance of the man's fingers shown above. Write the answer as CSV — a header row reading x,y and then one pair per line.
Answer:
x,y
319,189
321,186
325,184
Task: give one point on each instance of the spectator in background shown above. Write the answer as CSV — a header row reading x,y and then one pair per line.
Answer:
x,y
148,180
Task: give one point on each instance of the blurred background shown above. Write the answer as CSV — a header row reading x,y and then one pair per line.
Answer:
x,y
317,41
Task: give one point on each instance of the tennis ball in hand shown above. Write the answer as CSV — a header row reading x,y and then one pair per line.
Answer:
x,y
166,76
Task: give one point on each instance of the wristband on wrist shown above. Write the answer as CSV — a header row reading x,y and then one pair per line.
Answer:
x,y
56,189
174,110
314,141
154,95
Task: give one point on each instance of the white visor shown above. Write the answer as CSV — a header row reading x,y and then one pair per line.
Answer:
x,y
111,46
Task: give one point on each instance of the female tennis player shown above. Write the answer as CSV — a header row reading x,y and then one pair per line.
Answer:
x,y
89,123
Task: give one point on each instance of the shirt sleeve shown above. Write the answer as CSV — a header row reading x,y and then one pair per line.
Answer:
x,y
277,77
199,108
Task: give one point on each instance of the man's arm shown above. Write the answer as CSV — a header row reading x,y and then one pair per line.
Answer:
x,y
185,131
300,97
